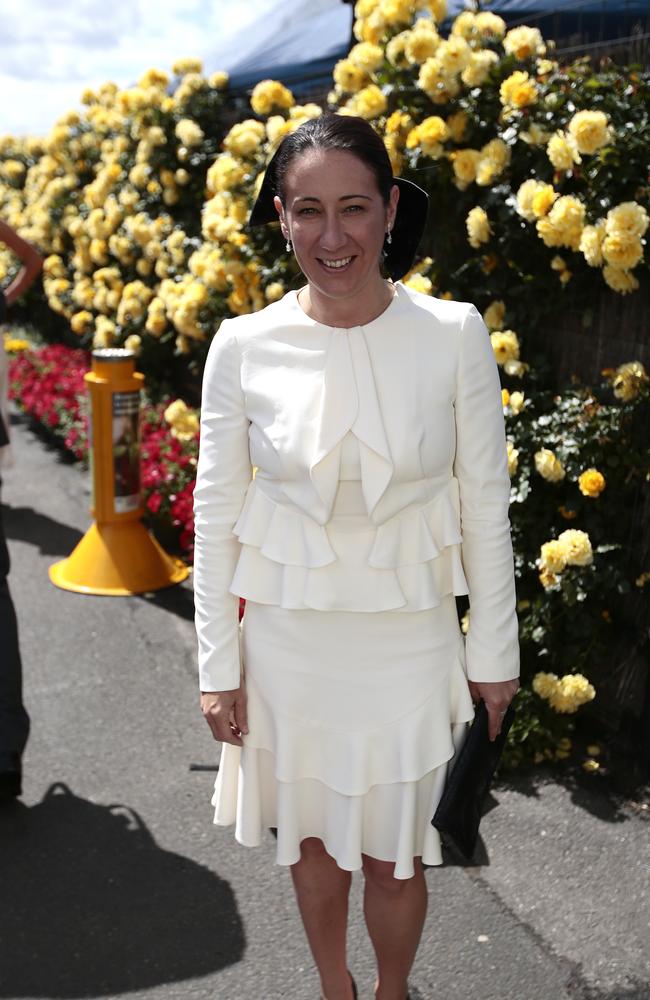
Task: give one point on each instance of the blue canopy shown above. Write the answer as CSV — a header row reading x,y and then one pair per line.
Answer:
x,y
299,43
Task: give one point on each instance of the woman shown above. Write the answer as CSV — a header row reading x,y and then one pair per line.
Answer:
x,y
14,720
373,416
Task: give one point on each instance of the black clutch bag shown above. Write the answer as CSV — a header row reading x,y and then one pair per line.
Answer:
x,y
460,809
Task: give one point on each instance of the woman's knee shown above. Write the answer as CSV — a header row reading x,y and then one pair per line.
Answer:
x,y
382,874
312,848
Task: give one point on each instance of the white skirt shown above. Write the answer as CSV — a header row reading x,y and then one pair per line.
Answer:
x,y
353,718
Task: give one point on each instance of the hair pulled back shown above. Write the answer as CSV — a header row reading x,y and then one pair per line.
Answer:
x,y
331,131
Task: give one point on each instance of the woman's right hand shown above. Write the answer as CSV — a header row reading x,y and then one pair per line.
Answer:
x,y
226,714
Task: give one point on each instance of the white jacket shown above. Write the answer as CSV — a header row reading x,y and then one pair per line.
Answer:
x,y
419,388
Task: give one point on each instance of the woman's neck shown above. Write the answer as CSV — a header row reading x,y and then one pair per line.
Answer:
x,y
345,313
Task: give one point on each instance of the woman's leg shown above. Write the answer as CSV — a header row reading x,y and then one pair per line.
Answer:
x,y
394,910
322,889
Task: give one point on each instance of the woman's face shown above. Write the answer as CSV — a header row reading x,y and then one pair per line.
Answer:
x,y
336,219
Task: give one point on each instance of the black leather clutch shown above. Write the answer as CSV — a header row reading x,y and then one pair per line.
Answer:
x,y
460,809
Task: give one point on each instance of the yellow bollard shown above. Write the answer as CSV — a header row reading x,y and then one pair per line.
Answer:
x,y
117,556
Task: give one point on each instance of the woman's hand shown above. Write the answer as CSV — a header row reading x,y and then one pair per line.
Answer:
x,y
226,714
497,695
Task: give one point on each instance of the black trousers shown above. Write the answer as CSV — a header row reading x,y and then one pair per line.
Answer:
x,y
14,720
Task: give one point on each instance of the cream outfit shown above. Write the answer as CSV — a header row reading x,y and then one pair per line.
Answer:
x,y
381,491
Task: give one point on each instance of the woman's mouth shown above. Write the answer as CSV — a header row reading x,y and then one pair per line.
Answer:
x,y
336,263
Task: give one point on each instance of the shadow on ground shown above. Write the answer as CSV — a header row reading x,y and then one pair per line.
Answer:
x,y
91,906
52,538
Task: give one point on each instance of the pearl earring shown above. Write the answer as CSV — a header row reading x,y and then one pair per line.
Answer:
x,y
389,238
288,245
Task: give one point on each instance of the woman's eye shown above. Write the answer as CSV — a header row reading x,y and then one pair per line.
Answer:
x,y
309,210
354,208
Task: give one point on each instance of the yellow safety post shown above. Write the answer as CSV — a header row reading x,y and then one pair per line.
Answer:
x,y
117,555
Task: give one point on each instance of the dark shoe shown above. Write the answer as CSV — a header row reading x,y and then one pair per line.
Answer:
x,y
10,785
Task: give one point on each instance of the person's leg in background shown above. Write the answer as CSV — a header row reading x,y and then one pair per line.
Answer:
x,y
14,720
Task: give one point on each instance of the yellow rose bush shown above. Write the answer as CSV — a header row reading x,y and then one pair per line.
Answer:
x,y
537,177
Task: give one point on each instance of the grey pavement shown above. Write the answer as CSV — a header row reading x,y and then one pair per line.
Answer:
x,y
114,881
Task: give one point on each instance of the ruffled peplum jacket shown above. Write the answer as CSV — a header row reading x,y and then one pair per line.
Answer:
x,y
419,389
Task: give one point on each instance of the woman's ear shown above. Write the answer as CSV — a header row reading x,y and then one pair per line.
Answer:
x,y
279,207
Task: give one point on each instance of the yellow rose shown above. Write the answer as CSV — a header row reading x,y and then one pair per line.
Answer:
x,y
478,227
516,402
524,42
133,343
494,315
552,557
429,135
494,158
270,94
245,137
464,25
564,223
577,547
188,65
219,80
464,163
543,199
505,344
396,50
367,56
628,217
489,25
454,55
224,174
628,380
478,67
590,130
189,133
619,280
535,135
525,195
571,691
422,43
544,684
368,103
349,77
622,250
562,151
591,483
81,322
419,283
591,242
518,90
549,466
274,291
439,85
396,11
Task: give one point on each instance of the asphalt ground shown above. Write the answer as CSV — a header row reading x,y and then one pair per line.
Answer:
x,y
113,880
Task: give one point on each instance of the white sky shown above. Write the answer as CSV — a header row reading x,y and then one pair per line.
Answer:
x,y
51,50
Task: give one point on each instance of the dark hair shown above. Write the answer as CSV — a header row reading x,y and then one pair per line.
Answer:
x,y
331,131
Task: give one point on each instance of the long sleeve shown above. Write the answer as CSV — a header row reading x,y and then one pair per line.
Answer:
x,y
223,473
481,467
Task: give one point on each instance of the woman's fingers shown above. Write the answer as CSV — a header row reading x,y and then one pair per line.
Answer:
x,y
220,714
497,695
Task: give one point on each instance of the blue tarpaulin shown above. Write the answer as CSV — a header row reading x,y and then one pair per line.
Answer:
x,y
299,42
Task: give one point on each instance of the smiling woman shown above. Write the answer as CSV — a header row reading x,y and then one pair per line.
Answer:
x,y
337,235
373,415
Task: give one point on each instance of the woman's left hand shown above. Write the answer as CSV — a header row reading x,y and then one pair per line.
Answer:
x,y
497,695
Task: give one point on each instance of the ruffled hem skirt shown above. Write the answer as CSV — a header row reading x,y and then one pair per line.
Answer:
x,y
353,719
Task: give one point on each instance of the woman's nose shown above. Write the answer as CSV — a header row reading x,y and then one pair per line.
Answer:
x,y
333,235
